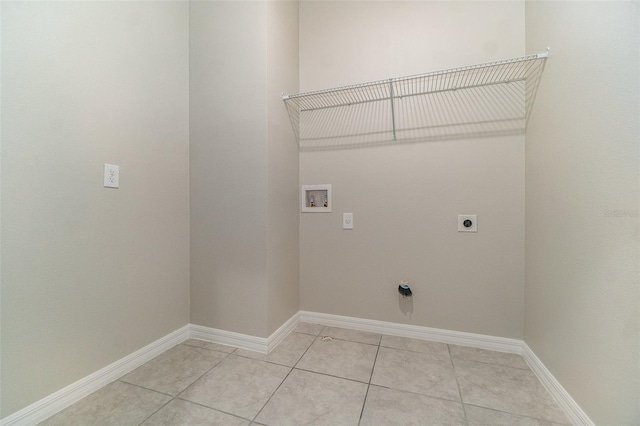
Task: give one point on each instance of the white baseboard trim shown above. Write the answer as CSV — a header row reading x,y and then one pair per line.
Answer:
x,y
572,410
570,407
52,404
282,332
229,338
67,396
245,341
481,341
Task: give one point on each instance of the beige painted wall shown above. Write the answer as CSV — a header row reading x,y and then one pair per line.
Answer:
x,y
406,198
90,275
244,166
582,199
283,221
229,190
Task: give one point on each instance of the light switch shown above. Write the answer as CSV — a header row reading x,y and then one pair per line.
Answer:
x,y
347,220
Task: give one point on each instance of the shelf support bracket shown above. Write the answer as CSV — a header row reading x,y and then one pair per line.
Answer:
x,y
393,115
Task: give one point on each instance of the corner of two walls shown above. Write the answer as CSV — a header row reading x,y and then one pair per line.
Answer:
x,y
283,233
582,197
406,198
244,166
90,275
228,160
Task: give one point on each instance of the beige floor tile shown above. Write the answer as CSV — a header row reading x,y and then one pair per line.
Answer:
x,y
118,404
307,328
412,382
393,407
175,369
352,335
179,412
237,385
340,358
507,389
314,399
288,352
210,345
415,372
478,416
488,357
415,345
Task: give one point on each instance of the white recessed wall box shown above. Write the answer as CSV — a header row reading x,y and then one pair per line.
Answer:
x,y
316,198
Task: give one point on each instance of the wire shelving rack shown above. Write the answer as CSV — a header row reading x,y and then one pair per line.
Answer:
x,y
490,99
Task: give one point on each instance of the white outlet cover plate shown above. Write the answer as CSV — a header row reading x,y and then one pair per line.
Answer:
x,y
111,176
474,223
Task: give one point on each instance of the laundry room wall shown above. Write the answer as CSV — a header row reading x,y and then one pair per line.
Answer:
x,y
90,274
583,198
406,197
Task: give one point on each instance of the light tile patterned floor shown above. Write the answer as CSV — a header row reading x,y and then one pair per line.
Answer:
x,y
323,376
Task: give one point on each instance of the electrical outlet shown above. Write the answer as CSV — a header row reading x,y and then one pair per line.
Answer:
x,y
467,223
111,176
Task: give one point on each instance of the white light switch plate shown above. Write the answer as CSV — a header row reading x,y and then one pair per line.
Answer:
x,y
347,220
111,176
467,223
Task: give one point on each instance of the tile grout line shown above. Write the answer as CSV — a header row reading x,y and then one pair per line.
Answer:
x,y
271,396
490,363
513,414
205,373
160,408
459,358
209,349
438,357
507,367
315,338
373,367
211,408
141,387
152,414
215,409
319,336
307,350
199,378
331,375
272,362
188,386
453,367
369,383
430,355
419,394
286,377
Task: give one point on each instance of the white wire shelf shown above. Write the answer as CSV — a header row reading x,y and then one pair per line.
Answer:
x,y
489,99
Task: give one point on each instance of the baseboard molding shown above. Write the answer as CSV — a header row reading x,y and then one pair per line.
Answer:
x,y
245,341
570,407
572,410
481,341
52,404
67,396
230,338
282,332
